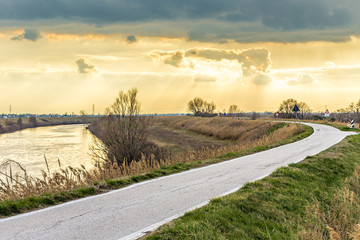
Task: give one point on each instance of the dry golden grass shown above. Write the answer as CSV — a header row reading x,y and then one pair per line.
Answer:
x,y
219,127
340,220
356,234
15,187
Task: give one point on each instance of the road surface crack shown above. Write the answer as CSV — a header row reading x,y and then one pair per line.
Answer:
x,y
61,221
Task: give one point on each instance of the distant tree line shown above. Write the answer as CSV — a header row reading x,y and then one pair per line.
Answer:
x,y
352,112
287,106
10,125
201,108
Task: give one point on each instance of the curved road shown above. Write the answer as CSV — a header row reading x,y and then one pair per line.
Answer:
x,y
130,212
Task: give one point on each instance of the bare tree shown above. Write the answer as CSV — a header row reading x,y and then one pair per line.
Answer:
x,y
19,123
352,112
287,106
304,109
201,107
233,109
123,132
83,113
210,107
33,121
196,105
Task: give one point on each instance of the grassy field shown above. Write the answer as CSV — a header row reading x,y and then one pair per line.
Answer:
x,y
18,196
318,198
183,134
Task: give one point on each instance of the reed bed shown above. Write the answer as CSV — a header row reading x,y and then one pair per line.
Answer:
x,y
219,127
21,185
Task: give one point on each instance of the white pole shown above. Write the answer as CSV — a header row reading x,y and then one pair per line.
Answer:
x,y
298,119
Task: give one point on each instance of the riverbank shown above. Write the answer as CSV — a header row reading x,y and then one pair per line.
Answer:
x,y
16,124
317,198
103,180
61,145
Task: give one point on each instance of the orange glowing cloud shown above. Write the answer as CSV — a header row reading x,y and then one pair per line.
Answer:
x,y
55,37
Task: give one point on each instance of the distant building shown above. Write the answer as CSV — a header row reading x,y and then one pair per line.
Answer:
x,y
327,113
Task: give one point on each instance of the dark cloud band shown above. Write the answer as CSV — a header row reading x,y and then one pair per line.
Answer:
x,y
278,14
28,34
199,20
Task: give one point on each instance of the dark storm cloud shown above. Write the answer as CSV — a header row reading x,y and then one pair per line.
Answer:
x,y
28,34
275,16
113,10
289,15
131,39
282,14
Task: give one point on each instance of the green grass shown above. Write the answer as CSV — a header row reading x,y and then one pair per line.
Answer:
x,y
9,207
12,207
338,126
276,127
274,207
342,128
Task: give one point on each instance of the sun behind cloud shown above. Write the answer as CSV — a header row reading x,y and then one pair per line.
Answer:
x,y
250,53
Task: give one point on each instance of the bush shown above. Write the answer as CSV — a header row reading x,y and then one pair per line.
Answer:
x,y
19,123
9,123
33,121
123,133
254,116
317,117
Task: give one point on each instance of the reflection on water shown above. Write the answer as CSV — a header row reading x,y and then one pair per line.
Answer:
x,y
69,143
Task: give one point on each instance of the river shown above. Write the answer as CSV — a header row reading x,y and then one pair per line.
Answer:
x,y
68,143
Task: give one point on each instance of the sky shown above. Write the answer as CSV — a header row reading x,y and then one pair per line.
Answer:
x,y
63,56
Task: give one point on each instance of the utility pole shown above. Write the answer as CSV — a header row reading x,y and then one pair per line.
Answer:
x,y
10,109
93,109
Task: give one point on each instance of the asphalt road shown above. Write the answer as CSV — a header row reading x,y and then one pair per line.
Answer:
x,y
130,212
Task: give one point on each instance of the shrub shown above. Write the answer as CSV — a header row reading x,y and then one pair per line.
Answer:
x,y
123,133
19,123
33,121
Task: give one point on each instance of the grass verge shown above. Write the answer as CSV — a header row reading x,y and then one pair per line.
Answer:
x,y
342,127
8,207
280,205
339,125
12,207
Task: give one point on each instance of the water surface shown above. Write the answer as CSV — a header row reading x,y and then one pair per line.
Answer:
x,y
68,143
